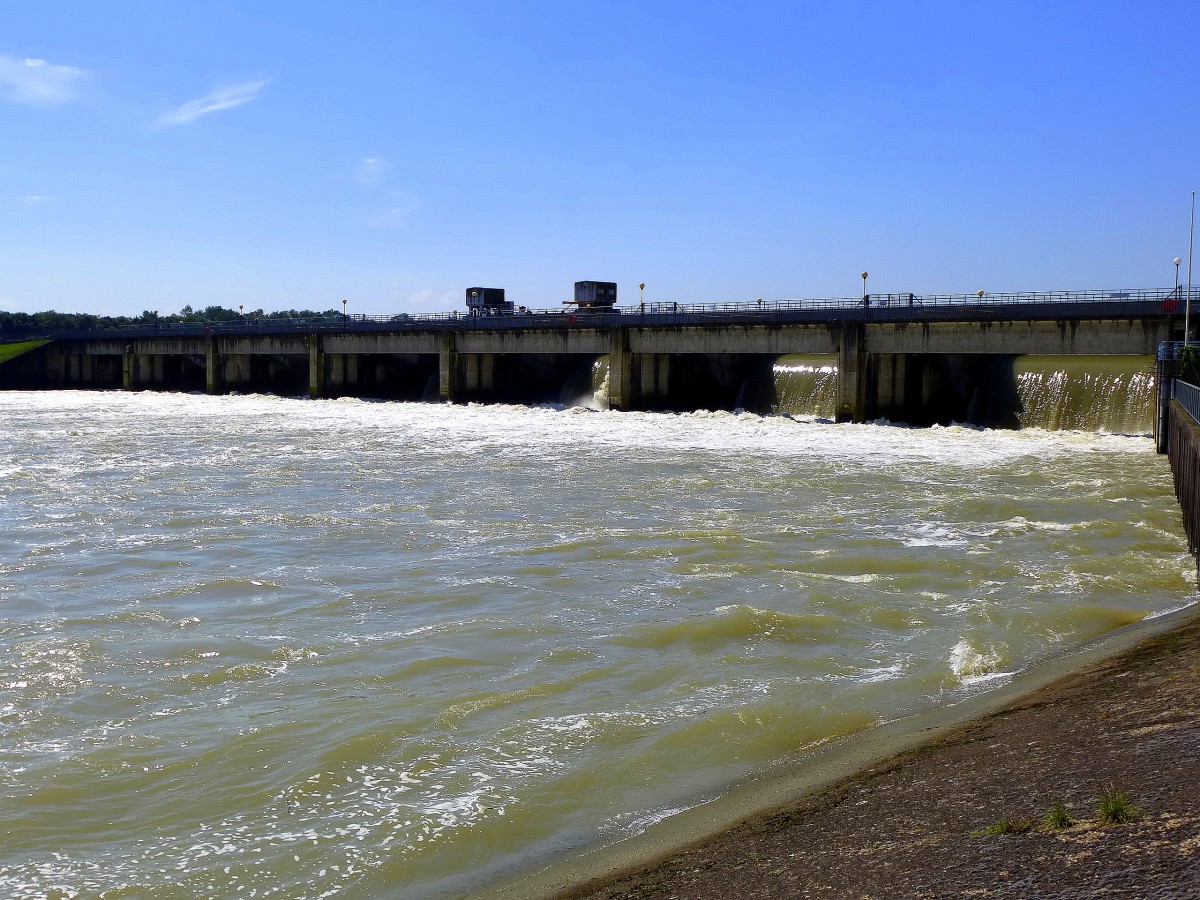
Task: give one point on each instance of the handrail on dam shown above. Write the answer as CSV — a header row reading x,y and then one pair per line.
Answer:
x,y
890,307
1179,438
1188,396
1172,385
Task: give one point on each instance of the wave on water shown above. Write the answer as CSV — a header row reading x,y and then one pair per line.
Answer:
x,y
973,665
733,624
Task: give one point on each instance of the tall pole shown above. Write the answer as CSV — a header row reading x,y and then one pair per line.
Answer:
x,y
1187,310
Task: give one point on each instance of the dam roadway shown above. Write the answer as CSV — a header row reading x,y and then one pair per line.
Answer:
x,y
920,359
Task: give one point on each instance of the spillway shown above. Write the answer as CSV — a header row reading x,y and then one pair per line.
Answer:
x,y
1112,394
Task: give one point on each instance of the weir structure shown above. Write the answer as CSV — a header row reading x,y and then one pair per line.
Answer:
x,y
917,359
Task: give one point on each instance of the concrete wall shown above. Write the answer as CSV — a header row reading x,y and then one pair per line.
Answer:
x,y
772,340
1133,337
419,342
545,342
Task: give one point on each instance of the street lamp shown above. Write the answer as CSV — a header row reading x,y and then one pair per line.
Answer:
x,y
344,317
864,277
242,311
642,293
1177,262
1187,309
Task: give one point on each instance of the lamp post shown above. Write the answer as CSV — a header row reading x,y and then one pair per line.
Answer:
x,y
242,311
642,293
1177,262
1187,308
864,278
344,316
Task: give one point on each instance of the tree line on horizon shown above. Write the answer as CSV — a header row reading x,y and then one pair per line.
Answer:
x,y
51,320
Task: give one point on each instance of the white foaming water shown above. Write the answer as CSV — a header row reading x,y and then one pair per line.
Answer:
x,y
971,665
256,646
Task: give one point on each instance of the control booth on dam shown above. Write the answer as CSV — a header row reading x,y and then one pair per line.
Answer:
x,y
903,357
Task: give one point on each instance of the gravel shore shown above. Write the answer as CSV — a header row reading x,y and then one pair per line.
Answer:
x,y
923,823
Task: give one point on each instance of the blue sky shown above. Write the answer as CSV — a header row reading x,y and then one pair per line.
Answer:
x,y
283,155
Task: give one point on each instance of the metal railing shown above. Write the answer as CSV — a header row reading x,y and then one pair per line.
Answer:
x,y
1188,396
890,307
1172,350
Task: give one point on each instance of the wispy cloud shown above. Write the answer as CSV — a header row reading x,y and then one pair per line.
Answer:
x,y
34,199
392,218
371,170
37,82
221,99
373,173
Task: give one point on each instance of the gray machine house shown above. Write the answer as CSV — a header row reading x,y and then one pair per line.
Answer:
x,y
483,301
595,295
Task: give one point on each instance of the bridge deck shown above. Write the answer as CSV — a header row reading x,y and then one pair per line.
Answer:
x,y
1045,305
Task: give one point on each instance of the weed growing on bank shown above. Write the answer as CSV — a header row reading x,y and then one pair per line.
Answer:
x,y
1008,826
1115,807
1057,817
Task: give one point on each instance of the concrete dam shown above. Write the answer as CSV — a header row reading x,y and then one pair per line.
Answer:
x,y
988,360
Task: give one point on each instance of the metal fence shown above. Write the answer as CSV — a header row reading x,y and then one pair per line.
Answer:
x,y
1169,350
891,307
1188,396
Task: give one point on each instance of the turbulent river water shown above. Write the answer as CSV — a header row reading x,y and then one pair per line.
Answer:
x,y
265,647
